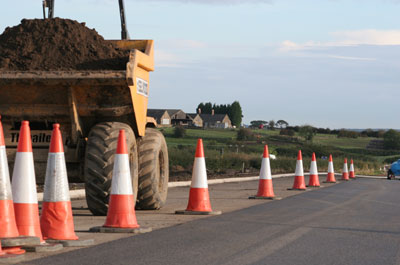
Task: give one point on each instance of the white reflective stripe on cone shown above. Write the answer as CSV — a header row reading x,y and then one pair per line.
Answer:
x,y
56,188
23,180
5,185
351,167
345,167
313,168
265,171
121,183
330,167
199,175
299,168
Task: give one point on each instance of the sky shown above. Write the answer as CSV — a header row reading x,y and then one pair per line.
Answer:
x,y
326,63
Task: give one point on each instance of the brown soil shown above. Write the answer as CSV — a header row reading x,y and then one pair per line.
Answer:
x,y
57,44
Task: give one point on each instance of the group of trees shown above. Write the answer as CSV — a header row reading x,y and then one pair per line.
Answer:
x,y
391,140
272,125
233,110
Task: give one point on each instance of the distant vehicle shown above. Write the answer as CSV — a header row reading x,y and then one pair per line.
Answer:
x,y
394,170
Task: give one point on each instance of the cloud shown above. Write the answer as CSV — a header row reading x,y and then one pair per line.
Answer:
x,y
368,37
342,39
348,38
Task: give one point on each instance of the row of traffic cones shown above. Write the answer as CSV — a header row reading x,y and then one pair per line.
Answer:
x,y
56,221
265,187
19,210
199,202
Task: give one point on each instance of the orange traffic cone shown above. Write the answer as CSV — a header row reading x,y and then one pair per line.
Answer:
x,y
121,210
56,220
199,200
8,226
121,216
351,172
314,179
331,173
24,187
345,172
265,187
299,183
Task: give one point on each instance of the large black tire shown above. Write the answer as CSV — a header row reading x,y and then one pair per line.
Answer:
x,y
153,171
99,163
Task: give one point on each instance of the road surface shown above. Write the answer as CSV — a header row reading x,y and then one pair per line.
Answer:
x,y
355,222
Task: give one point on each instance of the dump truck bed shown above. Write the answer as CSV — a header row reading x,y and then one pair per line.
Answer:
x,y
77,100
96,95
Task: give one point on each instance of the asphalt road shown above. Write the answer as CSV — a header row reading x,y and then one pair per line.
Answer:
x,y
355,222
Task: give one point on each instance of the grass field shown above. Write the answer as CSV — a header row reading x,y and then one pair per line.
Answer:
x,y
333,140
224,153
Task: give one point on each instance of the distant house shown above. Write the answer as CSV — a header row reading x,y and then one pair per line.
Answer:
x,y
178,117
216,121
161,116
194,120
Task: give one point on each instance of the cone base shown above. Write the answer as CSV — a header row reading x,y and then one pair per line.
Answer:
x,y
11,258
344,179
329,181
42,248
296,189
102,229
187,212
72,243
264,198
312,186
19,241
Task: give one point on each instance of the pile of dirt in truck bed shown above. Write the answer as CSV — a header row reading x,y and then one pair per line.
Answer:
x,y
57,44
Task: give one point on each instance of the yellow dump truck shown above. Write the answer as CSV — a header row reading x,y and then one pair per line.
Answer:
x,y
91,106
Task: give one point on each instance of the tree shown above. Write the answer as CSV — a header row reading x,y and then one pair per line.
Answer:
x,y
307,132
282,124
391,140
257,123
200,107
207,108
233,110
271,125
235,114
